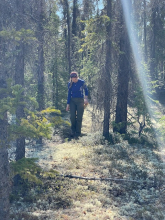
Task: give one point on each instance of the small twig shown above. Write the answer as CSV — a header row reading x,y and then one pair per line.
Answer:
x,y
101,179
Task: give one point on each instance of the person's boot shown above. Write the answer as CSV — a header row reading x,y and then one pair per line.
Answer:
x,y
72,134
77,134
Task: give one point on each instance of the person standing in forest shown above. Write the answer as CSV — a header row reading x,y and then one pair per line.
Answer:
x,y
76,102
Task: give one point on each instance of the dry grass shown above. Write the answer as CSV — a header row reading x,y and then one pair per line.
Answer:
x,y
99,200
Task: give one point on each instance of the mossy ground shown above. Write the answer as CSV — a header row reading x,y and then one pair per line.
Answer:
x,y
90,156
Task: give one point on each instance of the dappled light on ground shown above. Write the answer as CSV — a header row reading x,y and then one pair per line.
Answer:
x,y
91,156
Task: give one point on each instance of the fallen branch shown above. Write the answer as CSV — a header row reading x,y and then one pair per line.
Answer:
x,y
95,178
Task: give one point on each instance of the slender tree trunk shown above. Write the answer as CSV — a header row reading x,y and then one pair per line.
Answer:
x,y
153,42
145,32
55,83
69,36
67,14
54,86
57,88
40,69
19,77
123,79
4,163
107,74
74,39
41,61
74,22
4,170
40,95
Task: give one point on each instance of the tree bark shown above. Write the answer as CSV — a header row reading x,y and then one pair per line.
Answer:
x,y
4,163
153,41
145,32
4,170
75,30
123,79
19,76
74,22
68,34
55,83
107,74
40,61
40,67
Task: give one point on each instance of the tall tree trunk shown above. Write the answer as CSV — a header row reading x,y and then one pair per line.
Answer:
x,y
4,163
55,83
69,36
145,32
107,74
153,41
123,79
40,69
74,22
19,76
40,63
86,14
67,15
4,170
74,39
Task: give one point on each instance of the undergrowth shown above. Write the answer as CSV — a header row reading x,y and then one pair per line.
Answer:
x,y
125,161
46,191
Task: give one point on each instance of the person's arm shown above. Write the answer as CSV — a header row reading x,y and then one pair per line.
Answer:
x,y
86,94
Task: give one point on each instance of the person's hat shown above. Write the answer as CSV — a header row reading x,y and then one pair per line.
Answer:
x,y
73,75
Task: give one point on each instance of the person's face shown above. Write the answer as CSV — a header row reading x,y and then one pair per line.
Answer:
x,y
74,79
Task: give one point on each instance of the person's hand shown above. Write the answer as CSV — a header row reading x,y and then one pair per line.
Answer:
x,y
67,107
86,101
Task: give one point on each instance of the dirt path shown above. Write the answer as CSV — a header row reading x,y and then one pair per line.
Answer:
x,y
57,152
76,157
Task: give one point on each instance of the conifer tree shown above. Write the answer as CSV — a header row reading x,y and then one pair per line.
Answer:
x,y
123,78
153,39
145,31
107,73
40,15
67,33
4,164
75,37
19,73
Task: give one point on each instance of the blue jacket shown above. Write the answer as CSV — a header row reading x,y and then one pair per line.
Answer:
x,y
77,90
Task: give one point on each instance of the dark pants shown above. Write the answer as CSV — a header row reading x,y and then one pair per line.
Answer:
x,y
76,114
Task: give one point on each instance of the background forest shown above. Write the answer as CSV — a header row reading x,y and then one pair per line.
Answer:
x,y
117,48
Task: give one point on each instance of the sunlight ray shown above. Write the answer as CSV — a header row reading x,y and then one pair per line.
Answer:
x,y
139,62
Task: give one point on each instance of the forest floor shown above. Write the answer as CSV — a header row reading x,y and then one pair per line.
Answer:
x,y
139,194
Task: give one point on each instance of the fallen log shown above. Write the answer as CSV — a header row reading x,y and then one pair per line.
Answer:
x,y
95,178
